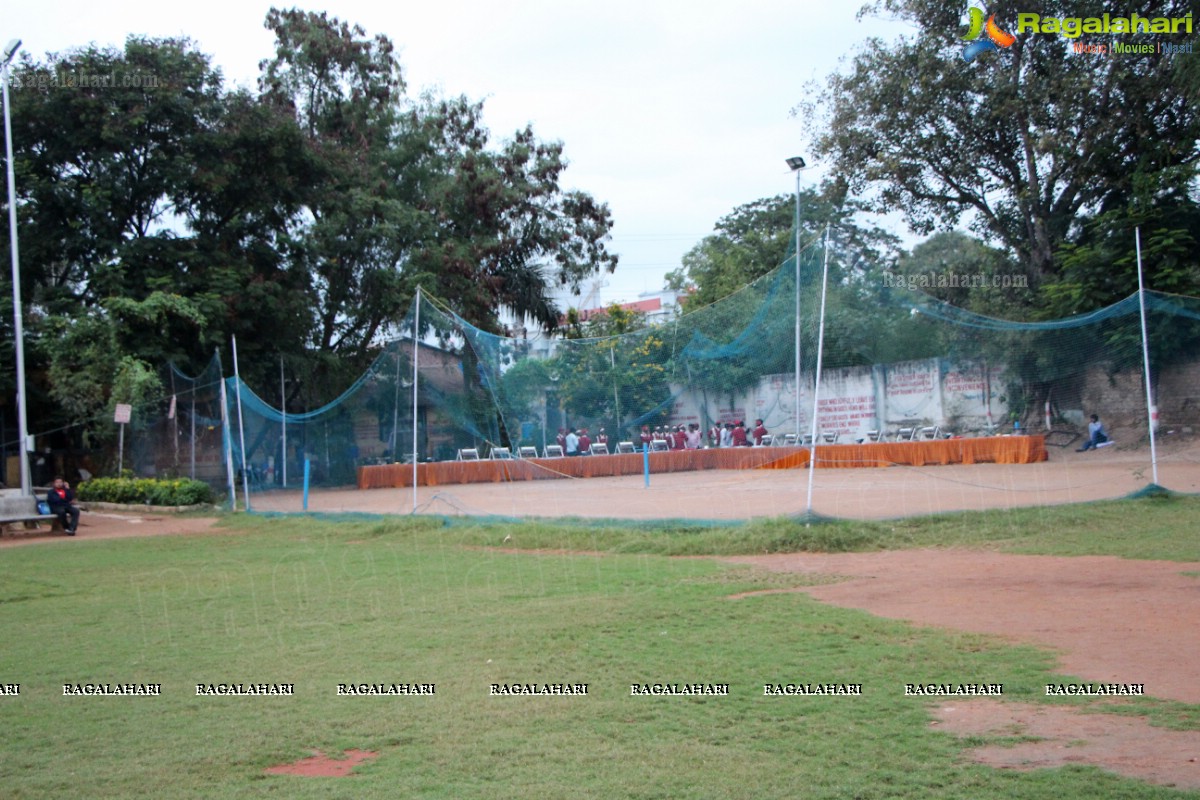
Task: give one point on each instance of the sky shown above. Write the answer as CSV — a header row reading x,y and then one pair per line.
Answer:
x,y
672,113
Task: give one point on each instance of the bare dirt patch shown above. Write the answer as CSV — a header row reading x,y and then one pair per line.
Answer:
x,y
1066,736
1108,619
320,765
113,525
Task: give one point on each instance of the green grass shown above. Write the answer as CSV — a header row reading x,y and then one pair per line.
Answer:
x,y
317,602
1157,527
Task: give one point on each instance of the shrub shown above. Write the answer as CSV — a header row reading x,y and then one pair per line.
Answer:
x,y
152,491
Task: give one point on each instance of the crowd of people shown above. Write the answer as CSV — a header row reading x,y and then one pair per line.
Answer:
x,y
578,442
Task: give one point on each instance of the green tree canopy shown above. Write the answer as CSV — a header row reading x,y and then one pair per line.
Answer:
x,y
1024,144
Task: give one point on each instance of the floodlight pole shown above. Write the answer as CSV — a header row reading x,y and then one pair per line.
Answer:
x,y
797,163
10,52
812,460
1151,411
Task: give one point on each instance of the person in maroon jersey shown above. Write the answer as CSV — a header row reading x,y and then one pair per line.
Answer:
x,y
739,435
679,438
758,433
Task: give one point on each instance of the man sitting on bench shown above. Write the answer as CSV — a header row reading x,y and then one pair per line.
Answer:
x,y
60,499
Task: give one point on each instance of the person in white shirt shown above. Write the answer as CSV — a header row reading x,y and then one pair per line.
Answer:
x,y
572,443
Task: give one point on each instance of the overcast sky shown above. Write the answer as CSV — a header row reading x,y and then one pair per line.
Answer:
x,y
673,113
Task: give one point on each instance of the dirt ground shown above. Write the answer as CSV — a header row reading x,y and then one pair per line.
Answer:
x,y
868,493
1108,620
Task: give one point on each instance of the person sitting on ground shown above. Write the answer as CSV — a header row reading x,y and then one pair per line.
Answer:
x,y
1096,435
61,499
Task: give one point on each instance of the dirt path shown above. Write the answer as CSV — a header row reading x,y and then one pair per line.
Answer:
x,y
1109,620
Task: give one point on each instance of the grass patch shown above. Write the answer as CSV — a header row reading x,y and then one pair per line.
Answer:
x,y
1155,527
321,602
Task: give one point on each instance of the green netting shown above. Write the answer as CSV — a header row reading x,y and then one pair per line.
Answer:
x,y
895,361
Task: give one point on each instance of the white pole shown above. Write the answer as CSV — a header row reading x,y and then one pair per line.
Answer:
x,y
1151,412
416,347
18,327
798,439
812,461
241,424
283,421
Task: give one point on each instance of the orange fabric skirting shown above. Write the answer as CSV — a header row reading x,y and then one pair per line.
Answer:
x,y
997,449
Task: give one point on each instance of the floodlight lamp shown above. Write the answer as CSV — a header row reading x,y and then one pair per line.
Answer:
x,y
796,162
10,50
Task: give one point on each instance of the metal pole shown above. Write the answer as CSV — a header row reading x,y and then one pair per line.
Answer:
x,y
227,445
812,461
283,421
241,424
415,356
1151,411
18,327
798,306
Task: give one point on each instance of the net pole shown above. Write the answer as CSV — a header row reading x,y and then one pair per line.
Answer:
x,y
241,424
812,461
1150,410
227,446
283,422
415,357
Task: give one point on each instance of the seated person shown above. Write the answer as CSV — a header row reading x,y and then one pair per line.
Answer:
x,y
1096,435
60,498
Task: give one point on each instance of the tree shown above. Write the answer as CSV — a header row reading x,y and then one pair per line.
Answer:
x,y
755,238
1023,143
503,232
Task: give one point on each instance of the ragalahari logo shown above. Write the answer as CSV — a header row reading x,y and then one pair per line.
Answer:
x,y
996,37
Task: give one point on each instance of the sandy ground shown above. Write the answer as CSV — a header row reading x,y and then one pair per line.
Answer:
x,y
868,493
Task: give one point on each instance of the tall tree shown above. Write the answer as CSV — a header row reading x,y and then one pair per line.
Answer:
x,y
755,238
1023,143
503,231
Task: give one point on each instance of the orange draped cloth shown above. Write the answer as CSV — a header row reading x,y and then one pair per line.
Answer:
x,y
994,449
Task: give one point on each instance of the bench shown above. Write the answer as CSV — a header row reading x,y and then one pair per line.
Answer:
x,y
17,509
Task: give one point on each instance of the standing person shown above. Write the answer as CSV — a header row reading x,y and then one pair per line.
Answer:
x,y
727,435
1096,435
739,435
758,433
693,437
646,436
679,439
585,443
602,438
714,435
562,439
572,443
60,498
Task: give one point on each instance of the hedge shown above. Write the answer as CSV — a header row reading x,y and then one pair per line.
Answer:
x,y
152,491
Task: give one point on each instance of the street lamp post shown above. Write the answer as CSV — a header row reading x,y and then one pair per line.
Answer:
x,y
10,51
796,163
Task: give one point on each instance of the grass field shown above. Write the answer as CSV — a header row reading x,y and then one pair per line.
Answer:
x,y
318,602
